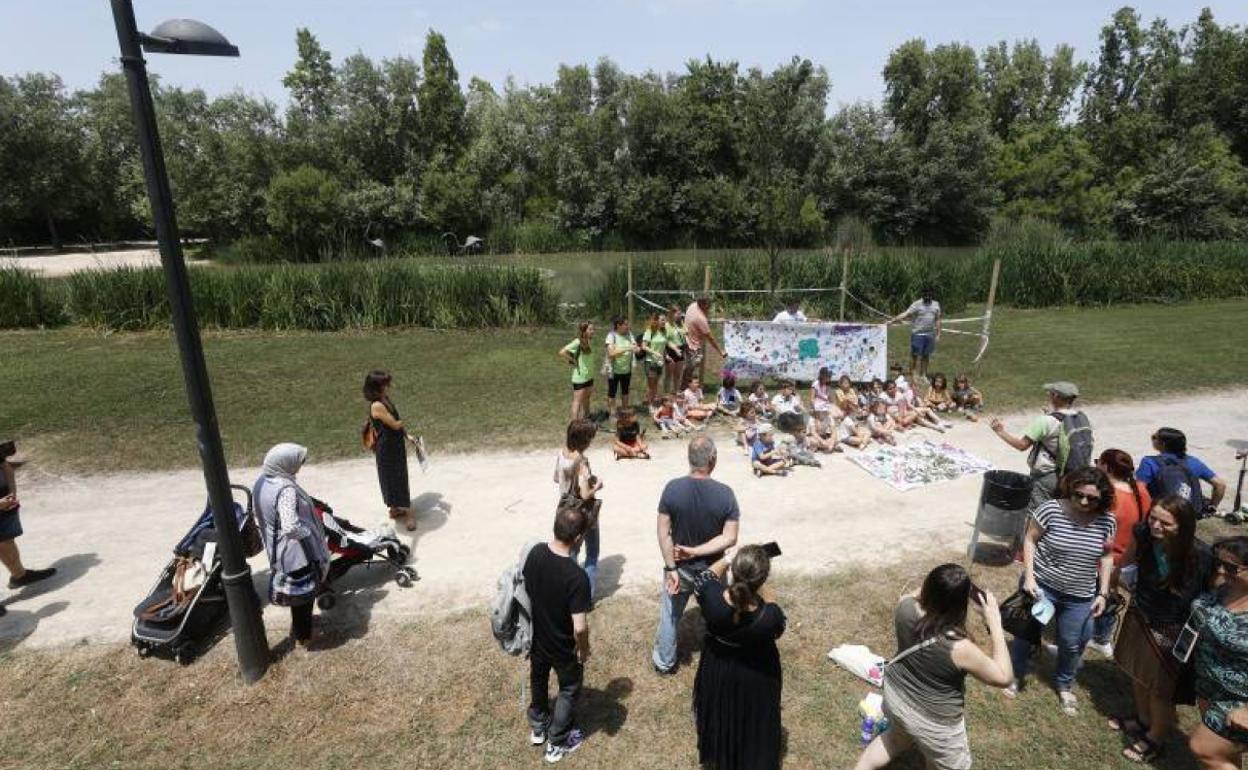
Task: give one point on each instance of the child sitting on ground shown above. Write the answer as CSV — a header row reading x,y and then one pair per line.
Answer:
x,y
695,409
729,400
667,419
883,426
767,459
747,427
873,392
760,401
938,397
853,430
821,433
628,441
966,399
907,414
845,397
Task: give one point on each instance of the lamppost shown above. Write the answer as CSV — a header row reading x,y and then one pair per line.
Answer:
x,y
183,36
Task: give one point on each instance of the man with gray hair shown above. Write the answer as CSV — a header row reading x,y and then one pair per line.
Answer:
x,y
698,521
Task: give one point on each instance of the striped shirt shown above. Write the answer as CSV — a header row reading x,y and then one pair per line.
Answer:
x,y
1068,554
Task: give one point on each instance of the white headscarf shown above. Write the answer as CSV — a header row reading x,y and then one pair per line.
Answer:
x,y
284,461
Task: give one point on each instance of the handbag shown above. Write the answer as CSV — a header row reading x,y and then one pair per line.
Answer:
x,y
368,436
1017,619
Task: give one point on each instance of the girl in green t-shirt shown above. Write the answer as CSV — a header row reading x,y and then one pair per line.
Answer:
x,y
579,354
674,371
619,362
654,343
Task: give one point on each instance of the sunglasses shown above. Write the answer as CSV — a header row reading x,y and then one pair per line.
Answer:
x,y
1229,567
1090,499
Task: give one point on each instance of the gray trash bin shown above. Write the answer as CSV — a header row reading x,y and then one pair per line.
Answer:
x,y
1003,503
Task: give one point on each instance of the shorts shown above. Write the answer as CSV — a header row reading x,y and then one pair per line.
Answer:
x,y
10,526
582,385
695,356
674,356
620,382
655,368
922,345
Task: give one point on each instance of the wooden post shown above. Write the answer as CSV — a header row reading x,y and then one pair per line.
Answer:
x,y
706,352
630,291
844,279
992,300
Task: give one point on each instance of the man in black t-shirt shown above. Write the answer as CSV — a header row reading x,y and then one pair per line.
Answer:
x,y
559,593
698,521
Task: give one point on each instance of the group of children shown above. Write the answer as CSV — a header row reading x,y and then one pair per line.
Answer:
x,y
840,413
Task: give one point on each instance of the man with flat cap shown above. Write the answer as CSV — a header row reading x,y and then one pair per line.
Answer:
x,y
1059,441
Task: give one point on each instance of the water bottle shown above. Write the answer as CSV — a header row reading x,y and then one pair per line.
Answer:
x,y
868,729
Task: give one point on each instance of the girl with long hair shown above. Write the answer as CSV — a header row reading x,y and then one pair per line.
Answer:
x,y
1173,568
654,344
390,447
1131,504
579,353
925,683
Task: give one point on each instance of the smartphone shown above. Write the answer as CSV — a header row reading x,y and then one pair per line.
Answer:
x,y
977,595
1186,642
772,549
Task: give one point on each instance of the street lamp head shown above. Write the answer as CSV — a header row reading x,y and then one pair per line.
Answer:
x,y
187,36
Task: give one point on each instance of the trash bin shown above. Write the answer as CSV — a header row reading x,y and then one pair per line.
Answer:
x,y
1003,504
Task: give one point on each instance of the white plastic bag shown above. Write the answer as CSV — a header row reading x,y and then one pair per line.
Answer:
x,y
859,661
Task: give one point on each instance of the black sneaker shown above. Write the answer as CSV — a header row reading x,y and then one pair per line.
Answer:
x,y
3,610
32,576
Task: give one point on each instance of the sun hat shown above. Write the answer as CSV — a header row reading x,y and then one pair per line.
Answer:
x,y
1063,388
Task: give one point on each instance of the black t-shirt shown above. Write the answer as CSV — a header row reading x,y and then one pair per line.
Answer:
x,y
699,508
558,589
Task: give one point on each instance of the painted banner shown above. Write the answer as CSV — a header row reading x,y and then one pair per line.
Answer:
x,y
796,351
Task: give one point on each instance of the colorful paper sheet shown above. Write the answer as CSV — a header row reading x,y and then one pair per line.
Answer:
x,y
797,351
918,464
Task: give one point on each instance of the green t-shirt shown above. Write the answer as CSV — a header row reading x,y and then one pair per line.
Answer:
x,y
657,342
623,363
1046,432
584,370
676,334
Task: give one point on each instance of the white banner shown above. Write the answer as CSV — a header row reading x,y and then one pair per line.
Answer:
x,y
797,351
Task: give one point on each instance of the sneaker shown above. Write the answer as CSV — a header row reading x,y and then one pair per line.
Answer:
x,y
1069,703
536,738
556,753
664,672
32,576
1104,648
1011,692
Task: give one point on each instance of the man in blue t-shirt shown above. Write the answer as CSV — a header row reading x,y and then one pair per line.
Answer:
x,y
698,521
1171,443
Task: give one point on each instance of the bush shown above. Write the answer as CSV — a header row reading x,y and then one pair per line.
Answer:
x,y
28,301
341,295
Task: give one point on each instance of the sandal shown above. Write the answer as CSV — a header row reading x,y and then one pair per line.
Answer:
x,y
1143,751
1128,726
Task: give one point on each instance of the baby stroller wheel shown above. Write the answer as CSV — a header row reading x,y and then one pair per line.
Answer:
x,y
405,577
326,601
143,652
183,656
405,551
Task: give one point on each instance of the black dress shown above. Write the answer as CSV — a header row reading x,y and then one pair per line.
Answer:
x,y
391,450
736,694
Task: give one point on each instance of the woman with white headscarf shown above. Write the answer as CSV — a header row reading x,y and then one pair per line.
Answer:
x,y
294,538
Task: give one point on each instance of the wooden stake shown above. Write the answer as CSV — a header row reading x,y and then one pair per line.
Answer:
x,y
844,279
630,291
992,300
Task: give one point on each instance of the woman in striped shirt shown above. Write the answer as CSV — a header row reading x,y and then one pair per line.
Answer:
x,y
1067,559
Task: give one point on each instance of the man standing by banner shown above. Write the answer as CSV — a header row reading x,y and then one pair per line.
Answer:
x,y
698,329
924,329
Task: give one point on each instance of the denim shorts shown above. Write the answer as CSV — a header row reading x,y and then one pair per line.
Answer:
x,y
922,345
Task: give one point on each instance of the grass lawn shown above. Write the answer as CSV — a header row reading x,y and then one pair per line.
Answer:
x,y
436,692
83,400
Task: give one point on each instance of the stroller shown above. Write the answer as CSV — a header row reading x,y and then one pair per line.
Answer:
x,y
350,545
185,610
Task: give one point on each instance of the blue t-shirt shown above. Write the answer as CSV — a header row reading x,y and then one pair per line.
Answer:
x,y
699,509
759,449
1150,468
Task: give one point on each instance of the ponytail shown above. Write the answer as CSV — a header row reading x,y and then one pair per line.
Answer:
x,y
741,595
1120,466
750,568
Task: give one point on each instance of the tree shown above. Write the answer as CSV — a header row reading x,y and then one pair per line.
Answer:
x,y
1025,90
441,103
311,81
303,209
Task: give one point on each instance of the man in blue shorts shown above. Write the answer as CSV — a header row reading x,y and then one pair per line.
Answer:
x,y
925,321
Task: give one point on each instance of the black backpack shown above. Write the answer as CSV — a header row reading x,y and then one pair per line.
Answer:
x,y
1077,430
1175,478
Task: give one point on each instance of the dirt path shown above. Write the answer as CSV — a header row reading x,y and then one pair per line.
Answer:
x,y
110,535
64,264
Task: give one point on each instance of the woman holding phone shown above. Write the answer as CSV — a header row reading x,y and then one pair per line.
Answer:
x,y
1067,563
925,683
736,693
1220,650
1172,569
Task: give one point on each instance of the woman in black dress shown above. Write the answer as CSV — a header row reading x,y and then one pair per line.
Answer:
x,y
390,447
736,694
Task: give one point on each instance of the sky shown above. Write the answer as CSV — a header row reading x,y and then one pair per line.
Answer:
x,y
529,39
